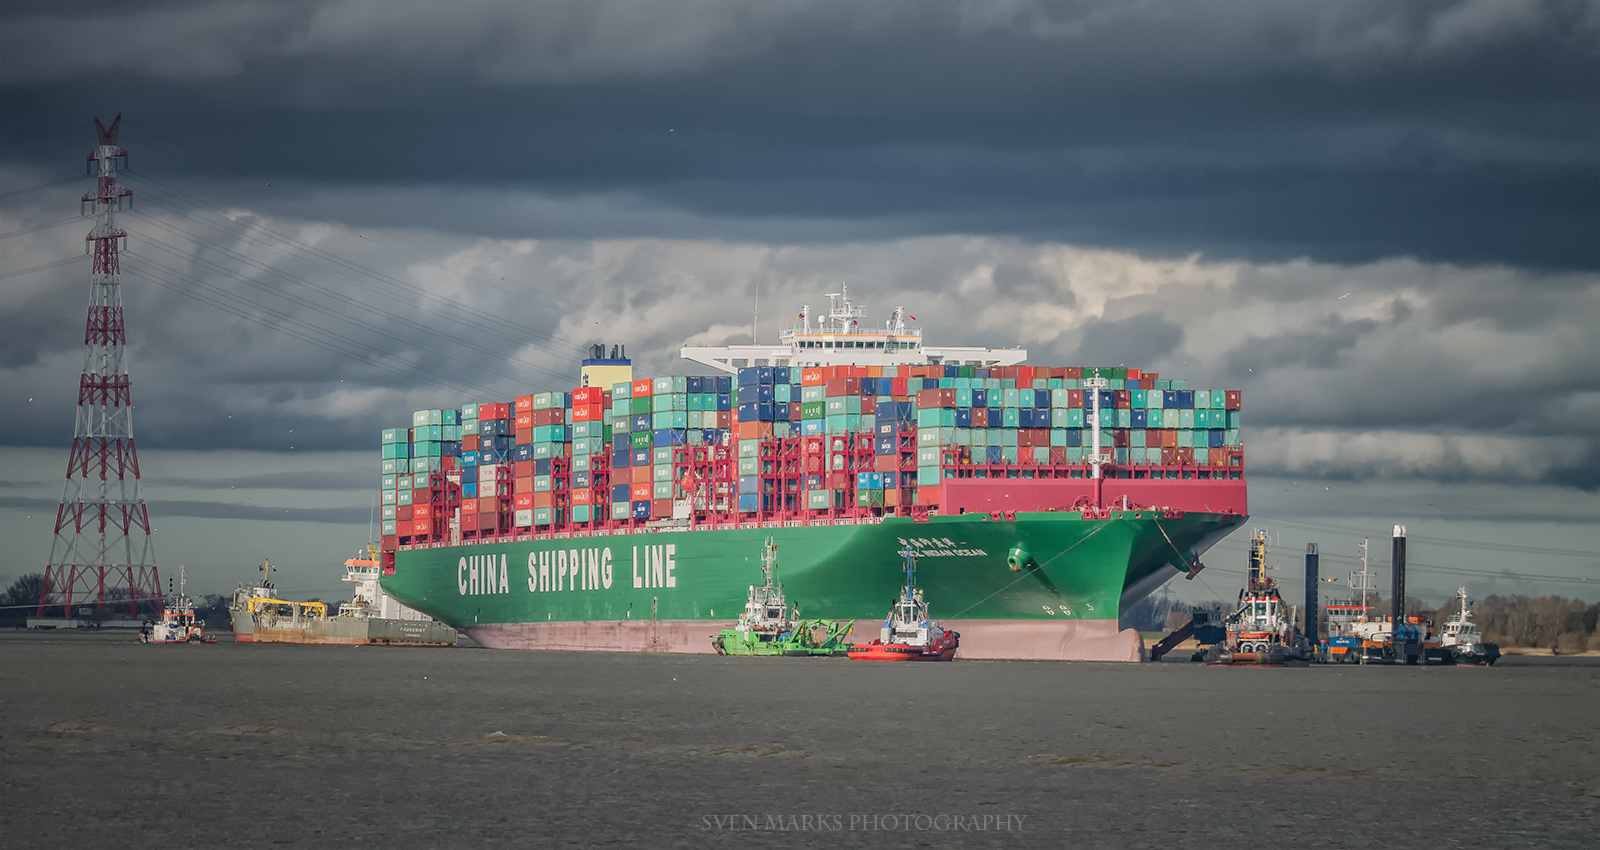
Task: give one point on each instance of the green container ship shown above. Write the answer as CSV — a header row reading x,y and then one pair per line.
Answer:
x,y
631,515
1037,585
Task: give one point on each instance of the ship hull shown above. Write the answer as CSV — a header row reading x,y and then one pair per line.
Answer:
x,y
662,590
345,631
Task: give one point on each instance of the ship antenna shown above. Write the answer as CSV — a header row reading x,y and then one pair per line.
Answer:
x,y
911,573
1095,385
755,314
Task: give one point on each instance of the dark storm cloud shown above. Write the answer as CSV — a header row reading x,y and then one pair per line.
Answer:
x,y
1140,339
1458,131
217,510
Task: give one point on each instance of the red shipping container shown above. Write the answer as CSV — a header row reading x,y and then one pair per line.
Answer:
x,y
643,387
755,430
880,463
1134,375
587,413
1058,455
390,542
1185,454
928,495
1123,399
1119,438
498,410
522,469
1169,456
523,404
1147,383
469,506
1217,457
1074,398
469,443
638,474
582,496
1234,398
518,485
725,419
450,464
522,501
586,395
421,527
524,420
660,508
899,388
936,397
522,436
869,405
640,492
402,513
834,386
1075,372
811,445
811,377
1024,376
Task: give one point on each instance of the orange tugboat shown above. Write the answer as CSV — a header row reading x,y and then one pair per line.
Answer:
x,y
908,634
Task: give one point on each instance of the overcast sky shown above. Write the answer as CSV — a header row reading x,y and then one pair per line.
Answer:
x,y
1380,220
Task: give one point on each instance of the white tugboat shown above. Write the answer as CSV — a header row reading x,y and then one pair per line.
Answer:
x,y
909,633
1460,635
1261,629
178,621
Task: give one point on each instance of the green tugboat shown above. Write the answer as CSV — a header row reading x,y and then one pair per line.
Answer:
x,y
767,627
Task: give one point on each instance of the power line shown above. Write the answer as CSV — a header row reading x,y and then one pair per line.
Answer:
x,y
40,268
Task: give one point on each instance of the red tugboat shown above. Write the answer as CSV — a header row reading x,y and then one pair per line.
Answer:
x,y
908,634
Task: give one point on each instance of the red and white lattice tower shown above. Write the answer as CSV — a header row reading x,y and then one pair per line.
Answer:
x,y
102,554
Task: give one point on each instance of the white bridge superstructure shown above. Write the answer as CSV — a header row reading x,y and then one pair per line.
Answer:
x,y
840,337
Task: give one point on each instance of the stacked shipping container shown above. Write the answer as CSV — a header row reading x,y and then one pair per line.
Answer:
x,y
786,442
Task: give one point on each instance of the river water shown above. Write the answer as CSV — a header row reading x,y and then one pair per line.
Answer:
x,y
108,743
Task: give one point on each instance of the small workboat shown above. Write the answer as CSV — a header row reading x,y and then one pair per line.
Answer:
x,y
1461,638
767,626
909,634
178,622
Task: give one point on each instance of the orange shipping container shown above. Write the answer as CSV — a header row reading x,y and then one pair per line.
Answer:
x,y
640,474
928,495
641,492
524,403
469,506
581,496
524,420
522,501
811,377
520,485
585,395
522,469
523,436
643,387
542,500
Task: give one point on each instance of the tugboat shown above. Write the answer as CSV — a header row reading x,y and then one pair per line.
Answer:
x,y
909,634
768,628
1261,630
1461,639
178,621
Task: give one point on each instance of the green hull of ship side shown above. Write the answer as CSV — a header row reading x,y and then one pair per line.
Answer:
x,y
1079,570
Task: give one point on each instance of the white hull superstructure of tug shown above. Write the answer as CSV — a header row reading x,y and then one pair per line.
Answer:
x,y
841,337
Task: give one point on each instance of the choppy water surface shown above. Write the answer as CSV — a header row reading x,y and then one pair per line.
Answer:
x,y
107,743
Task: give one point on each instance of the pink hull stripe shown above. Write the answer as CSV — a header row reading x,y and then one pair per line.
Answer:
x,y
1068,640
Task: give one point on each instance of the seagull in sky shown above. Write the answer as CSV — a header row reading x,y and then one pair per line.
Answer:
x,y
1342,297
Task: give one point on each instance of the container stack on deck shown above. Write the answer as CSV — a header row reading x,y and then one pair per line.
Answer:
x,y
784,443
